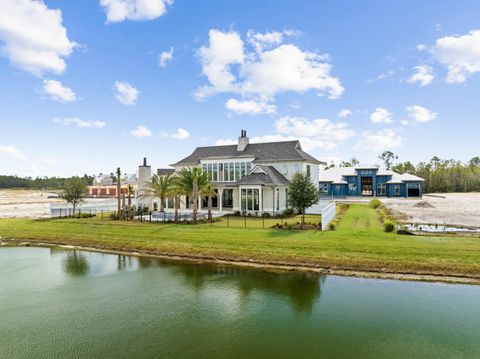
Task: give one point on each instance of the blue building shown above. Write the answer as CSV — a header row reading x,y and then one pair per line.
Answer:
x,y
368,180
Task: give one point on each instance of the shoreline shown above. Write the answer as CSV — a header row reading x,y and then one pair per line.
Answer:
x,y
268,266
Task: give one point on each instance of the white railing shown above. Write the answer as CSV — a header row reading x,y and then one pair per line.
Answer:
x,y
90,206
328,214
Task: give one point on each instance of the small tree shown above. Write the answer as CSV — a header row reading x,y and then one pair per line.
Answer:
x,y
74,192
209,191
302,193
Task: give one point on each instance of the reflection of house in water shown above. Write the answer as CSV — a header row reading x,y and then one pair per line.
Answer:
x,y
303,289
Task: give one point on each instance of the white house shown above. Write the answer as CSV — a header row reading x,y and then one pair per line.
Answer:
x,y
252,177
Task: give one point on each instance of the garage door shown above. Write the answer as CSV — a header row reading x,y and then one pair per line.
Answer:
x,y
413,192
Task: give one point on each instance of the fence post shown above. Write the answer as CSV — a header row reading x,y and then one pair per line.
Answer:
x,y
102,215
60,213
263,221
245,219
164,216
150,216
228,219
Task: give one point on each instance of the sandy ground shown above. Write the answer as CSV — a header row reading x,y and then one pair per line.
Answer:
x,y
460,209
32,203
25,203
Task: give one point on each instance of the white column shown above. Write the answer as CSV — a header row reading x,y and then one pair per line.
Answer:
x,y
239,198
199,202
260,194
219,199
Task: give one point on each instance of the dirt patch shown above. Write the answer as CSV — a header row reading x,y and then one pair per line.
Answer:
x,y
25,203
423,204
458,209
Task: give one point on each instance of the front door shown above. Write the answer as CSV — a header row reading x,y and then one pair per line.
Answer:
x,y
367,186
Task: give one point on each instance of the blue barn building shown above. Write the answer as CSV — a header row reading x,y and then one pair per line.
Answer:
x,y
368,180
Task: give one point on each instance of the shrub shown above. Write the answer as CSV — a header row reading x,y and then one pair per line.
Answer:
x,y
288,212
375,203
388,226
332,225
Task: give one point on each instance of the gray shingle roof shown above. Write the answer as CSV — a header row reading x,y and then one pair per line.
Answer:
x,y
270,177
261,152
165,171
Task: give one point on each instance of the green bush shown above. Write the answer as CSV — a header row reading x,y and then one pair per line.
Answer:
x,y
388,226
375,203
288,212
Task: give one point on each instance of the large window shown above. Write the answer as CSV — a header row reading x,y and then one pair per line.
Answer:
x,y
308,170
352,187
381,189
227,172
227,198
250,200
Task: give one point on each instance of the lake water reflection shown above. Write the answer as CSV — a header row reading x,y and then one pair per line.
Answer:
x,y
71,303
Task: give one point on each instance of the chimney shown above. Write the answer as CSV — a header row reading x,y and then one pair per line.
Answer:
x,y
144,161
242,141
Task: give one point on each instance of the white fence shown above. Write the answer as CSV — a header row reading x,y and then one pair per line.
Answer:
x,y
328,214
92,206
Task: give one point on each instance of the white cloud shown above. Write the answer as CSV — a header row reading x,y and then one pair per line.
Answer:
x,y
460,54
141,132
382,76
381,115
421,47
137,10
34,37
79,123
296,105
259,75
250,107
56,91
180,134
11,152
263,41
165,57
379,141
313,134
48,161
344,113
423,75
126,93
405,122
421,114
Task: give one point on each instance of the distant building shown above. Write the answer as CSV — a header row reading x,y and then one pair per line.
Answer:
x,y
368,180
104,185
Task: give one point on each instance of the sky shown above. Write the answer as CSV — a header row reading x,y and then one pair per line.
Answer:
x,y
88,86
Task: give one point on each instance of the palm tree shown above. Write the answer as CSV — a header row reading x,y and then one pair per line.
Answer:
x,y
118,178
209,191
176,191
192,180
129,203
159,187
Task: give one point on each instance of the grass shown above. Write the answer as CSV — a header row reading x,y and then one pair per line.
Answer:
x,y
358,243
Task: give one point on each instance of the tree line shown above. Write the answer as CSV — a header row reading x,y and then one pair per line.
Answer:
x,y
52,183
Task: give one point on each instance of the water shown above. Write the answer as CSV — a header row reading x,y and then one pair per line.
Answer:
x,y
76,304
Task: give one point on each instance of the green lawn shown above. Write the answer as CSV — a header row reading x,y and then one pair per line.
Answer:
x,y
358,243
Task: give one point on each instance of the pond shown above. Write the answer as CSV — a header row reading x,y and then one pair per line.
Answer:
x,y
58,303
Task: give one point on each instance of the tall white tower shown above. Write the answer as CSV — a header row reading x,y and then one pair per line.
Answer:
x,y
144,175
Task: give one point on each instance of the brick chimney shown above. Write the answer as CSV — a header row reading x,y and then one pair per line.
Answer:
x,y
242,141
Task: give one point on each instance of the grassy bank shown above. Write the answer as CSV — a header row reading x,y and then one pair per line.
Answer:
x,y
358,243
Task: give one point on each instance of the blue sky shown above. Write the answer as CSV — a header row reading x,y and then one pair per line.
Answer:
x,y
85,88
